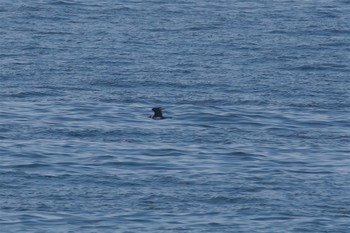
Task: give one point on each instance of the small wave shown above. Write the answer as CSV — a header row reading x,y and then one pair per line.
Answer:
x,y
322,67
332,14
246,156
31,166
273,218
31,94
28,8
219,200
338,44
338,31
61,2
314,171
83,133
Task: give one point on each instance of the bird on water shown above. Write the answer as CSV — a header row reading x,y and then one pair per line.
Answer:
x,y
158,114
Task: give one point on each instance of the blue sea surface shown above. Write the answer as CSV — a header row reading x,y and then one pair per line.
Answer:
x,y
257,95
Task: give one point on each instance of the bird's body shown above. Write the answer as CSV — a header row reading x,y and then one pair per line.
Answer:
x,y
158,114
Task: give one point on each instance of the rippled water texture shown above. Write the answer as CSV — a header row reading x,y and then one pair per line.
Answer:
x,y
256,93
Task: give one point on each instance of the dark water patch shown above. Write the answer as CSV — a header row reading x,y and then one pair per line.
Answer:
x,y
335,44
31,166
29,8
32,94
338,31
164,152
319,171
222,200
64,3
242,157
82,133
322,67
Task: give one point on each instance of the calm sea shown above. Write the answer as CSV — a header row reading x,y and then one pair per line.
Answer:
x,y
257,95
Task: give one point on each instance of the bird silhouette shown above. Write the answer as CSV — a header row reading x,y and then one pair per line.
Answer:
x,y
158,114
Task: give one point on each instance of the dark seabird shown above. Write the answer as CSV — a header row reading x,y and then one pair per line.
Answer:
x,y
158,115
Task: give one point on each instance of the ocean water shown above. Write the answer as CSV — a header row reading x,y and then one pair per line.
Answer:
x,y
257,95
